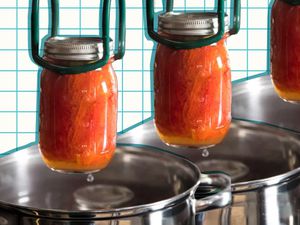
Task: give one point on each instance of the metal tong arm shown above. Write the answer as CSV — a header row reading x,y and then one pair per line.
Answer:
x,y
54,31
186,44
199,43
236,18
236,14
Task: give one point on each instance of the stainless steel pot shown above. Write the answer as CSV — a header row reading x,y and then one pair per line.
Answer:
x,y
275,200
271,205
256,100
140,186
263,161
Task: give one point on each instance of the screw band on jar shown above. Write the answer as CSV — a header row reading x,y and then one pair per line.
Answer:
x,y
78,50
190,24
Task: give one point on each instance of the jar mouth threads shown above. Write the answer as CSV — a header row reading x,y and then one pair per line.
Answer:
x,y
191,23
75,48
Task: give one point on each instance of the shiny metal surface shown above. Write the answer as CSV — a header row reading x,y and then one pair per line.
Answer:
x,y
256,100
269,152
190,24
136,186
274,205
244,153
74,48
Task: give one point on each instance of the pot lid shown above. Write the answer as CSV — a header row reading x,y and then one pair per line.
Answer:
x,y
134,182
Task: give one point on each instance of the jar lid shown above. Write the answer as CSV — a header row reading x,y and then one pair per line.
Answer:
x,y
194,23
75,48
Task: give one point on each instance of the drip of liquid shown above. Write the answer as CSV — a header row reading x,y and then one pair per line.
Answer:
x,y
90,178
205,153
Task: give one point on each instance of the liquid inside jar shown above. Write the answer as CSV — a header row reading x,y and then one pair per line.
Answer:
x,y
78,119
285,48
192,95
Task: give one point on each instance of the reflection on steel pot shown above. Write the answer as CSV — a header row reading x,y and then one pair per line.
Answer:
x,y
274,205
277,201
264,164
140,186
256,100
253,155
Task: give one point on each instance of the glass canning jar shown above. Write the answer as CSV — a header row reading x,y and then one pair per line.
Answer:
x,y
285,48
78,113
192,86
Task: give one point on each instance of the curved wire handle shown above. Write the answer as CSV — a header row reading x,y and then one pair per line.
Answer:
x,y
236,18
54,18
186,44
169,5
54,30
193,44
122,30
236,14
292,2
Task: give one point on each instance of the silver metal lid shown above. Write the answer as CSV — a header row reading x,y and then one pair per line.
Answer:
x,y
190,24
75,48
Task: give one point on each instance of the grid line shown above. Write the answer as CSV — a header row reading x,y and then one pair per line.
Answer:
x,y
247,40
17,74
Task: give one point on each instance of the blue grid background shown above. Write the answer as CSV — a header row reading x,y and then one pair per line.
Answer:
x,y
18,75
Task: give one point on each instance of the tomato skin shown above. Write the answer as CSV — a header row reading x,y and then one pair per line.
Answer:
x,y
192,95
78,119
285,48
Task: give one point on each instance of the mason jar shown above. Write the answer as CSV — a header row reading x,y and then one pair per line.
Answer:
x,y
78,112
192,86
285,58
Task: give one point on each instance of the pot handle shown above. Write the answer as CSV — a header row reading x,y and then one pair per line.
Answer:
x,y
213,192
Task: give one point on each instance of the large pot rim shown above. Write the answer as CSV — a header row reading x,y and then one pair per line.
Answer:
x,y
262,183
111,213
273,180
